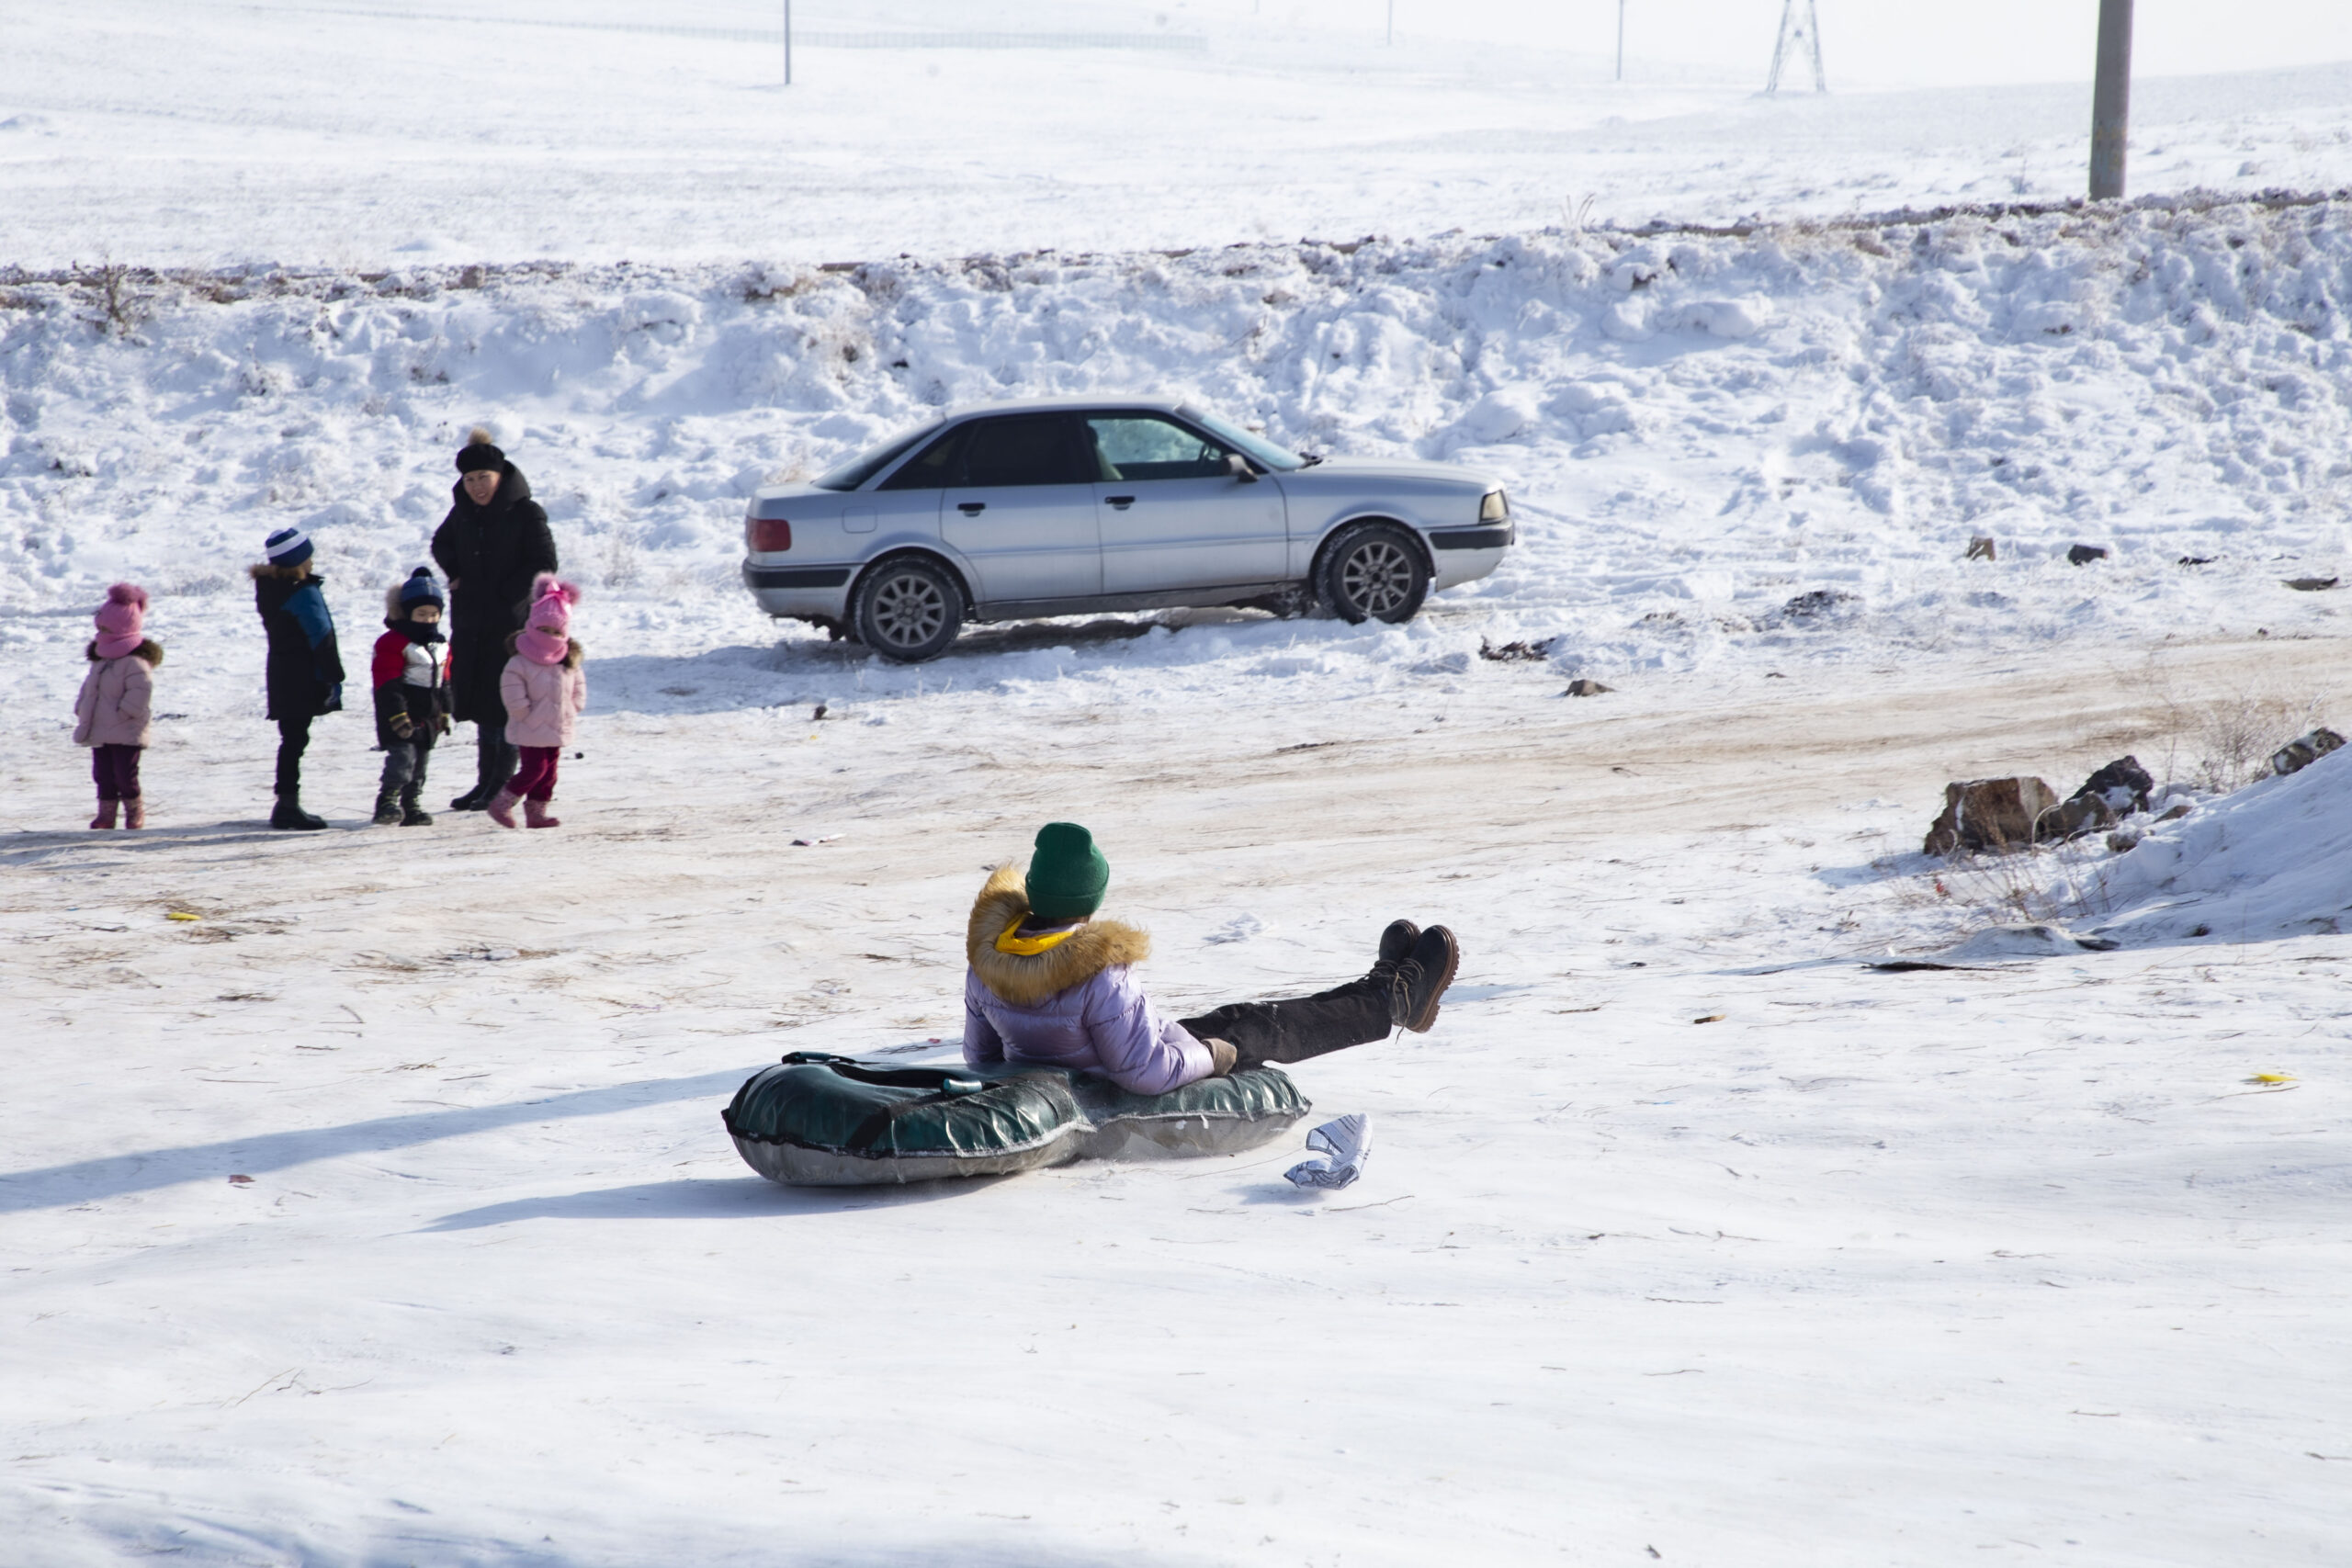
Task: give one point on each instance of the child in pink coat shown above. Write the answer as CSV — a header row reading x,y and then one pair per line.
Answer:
x,y
117,703
544,688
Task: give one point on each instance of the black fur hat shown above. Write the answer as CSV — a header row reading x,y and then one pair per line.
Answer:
x,y
480,453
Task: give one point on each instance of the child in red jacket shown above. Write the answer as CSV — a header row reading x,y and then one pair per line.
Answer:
x,y
411,676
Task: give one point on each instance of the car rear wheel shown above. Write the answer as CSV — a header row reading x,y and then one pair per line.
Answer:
x,y
908,610
1373,573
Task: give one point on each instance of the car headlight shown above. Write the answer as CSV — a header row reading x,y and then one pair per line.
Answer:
x,y
1494,507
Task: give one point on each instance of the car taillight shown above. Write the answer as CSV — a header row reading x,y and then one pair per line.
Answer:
x,y
1494,507
765,533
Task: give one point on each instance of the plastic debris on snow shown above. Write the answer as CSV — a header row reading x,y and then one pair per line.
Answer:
x,y
2021,942
1343,1148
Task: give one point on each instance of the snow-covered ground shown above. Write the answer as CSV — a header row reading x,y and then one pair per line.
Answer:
x,y
1687,1236
1870,1268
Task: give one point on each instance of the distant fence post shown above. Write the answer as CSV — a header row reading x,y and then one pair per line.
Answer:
x,y
2112,100
1620,40
788,43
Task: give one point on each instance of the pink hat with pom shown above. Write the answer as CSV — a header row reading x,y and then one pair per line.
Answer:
x,y
551,603
122,620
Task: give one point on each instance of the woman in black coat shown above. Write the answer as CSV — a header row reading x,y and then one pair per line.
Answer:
x,y
494,541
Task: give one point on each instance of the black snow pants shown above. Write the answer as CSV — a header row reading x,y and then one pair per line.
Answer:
x,y
1294,1030
494,759
293,740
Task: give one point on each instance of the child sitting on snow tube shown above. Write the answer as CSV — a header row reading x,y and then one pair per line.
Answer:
x,y
1051,985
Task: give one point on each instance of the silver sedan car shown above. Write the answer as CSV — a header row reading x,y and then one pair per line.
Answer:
x,y
1020,510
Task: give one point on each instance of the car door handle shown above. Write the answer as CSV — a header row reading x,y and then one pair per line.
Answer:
x,y
971,508
1120,501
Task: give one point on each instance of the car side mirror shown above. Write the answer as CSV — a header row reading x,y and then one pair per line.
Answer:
x,y
1238,467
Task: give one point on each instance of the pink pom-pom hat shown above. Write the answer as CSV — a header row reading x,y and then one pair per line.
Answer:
x,y
122,620
546,630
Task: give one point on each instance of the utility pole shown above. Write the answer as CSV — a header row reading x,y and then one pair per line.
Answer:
x,y
1797,33
788,43
2112,100
1620,40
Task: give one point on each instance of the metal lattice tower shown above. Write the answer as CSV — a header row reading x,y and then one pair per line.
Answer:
x,y
1799,30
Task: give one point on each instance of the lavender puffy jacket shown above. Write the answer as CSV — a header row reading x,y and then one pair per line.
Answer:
x,y
1074,1005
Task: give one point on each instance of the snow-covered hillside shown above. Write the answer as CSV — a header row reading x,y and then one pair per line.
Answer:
x,y
1702,430
385,133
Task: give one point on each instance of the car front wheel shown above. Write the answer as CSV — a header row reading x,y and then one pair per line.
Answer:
x,y
908,610
1374,573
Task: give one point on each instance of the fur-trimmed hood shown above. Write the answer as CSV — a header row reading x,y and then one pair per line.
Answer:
x,y
1026,979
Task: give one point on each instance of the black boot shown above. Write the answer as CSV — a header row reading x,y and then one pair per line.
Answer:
x,y
1396,946
411,814
290,814
1422,979
387,807
495,762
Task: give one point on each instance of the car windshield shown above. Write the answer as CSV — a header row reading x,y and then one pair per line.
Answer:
x,y
857,470
1257,447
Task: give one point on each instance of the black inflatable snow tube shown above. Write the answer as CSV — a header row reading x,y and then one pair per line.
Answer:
x,y
815,1120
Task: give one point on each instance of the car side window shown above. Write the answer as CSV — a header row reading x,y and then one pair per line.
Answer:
x,y
1145,447
933,468
1023,449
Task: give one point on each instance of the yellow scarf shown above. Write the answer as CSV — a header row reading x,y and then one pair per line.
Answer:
x,y
1029,946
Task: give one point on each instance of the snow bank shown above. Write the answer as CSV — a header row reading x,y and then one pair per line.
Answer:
x,y
2269,861
1789,457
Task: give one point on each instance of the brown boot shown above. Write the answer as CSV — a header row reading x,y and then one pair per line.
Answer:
x,y
534,812
104,819
134,812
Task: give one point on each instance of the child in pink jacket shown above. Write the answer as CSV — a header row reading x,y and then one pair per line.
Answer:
x,y
117,702
544,688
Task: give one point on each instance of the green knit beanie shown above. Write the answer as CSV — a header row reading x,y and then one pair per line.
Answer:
x,y
1067,875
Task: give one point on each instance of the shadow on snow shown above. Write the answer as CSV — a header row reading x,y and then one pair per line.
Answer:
x,y
706,1198
56,1186
798,670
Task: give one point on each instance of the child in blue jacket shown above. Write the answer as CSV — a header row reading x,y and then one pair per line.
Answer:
x,y
304,677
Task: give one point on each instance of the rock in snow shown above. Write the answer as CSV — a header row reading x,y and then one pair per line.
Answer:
x,y
2303,750
1995,815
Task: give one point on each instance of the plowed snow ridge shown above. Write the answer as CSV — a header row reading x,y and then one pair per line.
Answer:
x,y
1697,429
